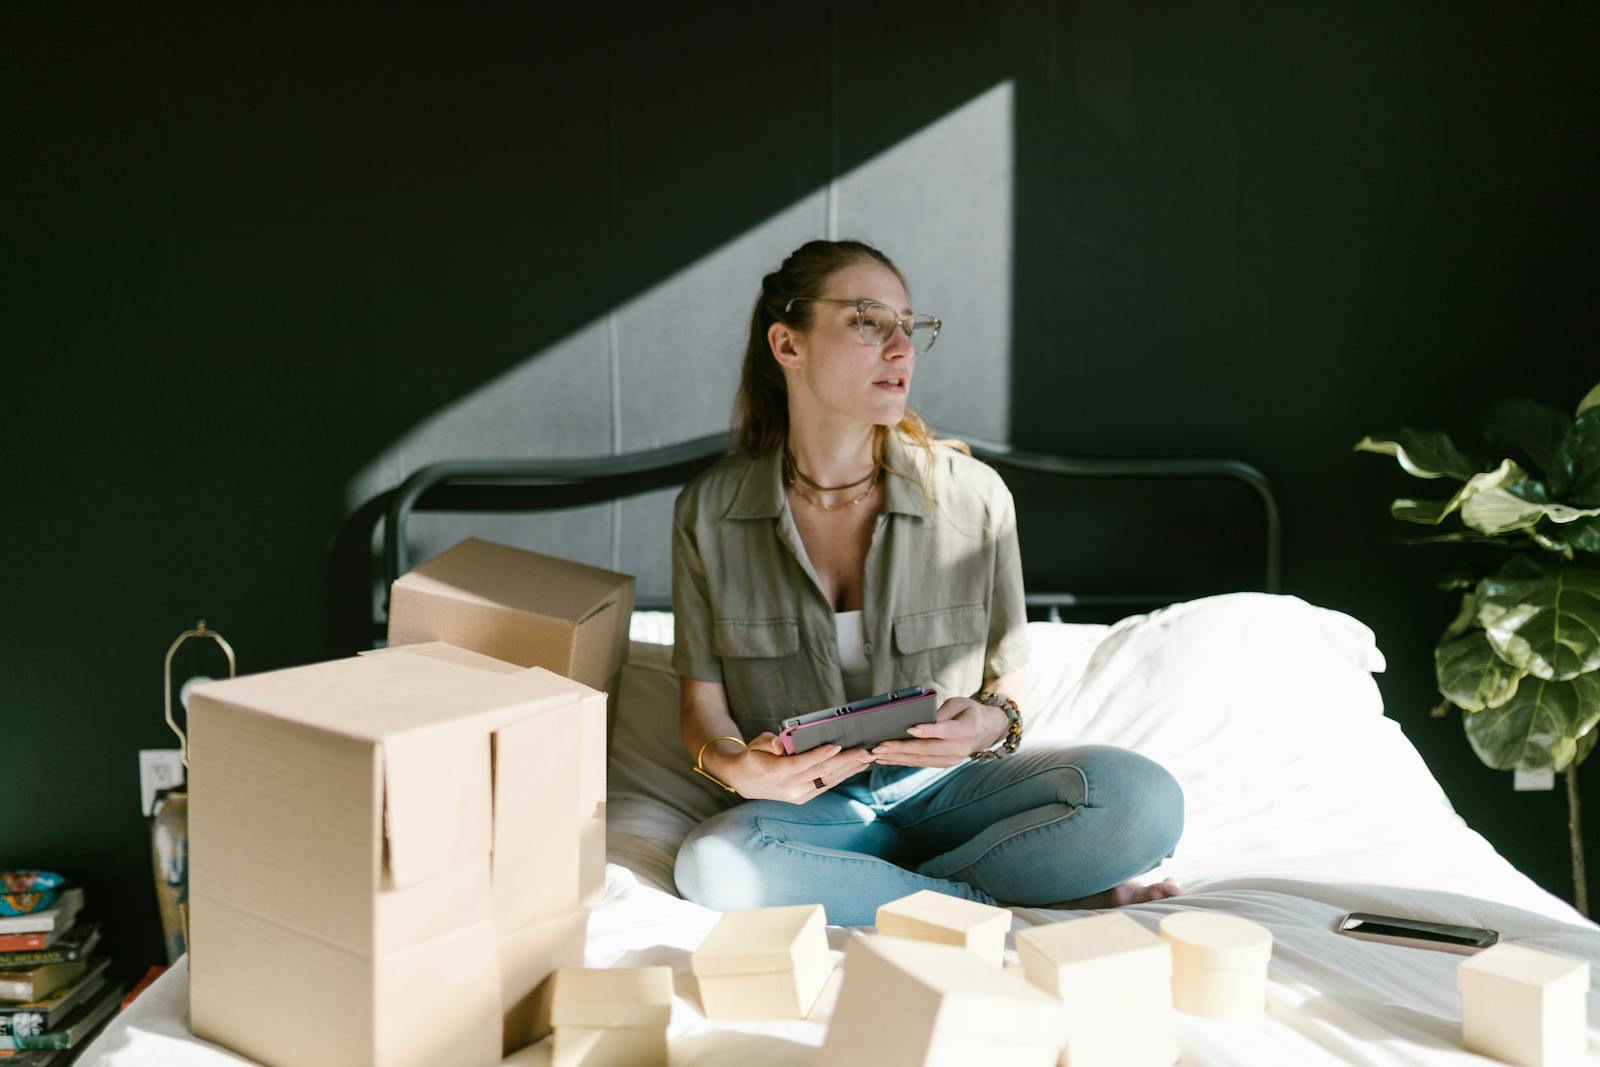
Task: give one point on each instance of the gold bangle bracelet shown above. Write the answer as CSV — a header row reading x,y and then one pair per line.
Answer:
x,y
700,758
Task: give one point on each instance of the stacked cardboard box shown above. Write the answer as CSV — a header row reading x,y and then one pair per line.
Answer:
x,y
530,610
391,853
384,857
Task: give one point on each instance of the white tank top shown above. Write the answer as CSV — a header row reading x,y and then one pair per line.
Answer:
x,y
853,654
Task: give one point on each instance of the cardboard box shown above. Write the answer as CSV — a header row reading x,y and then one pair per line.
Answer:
x,y
947,920
765,963
530,610
1114,978
611,1017
1219,964
918,1004
1524,1006
379,850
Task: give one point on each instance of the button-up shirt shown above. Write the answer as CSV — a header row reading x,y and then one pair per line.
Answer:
x,y
942,601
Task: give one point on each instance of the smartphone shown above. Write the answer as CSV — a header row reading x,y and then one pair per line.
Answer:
x,y
861,723
1417,933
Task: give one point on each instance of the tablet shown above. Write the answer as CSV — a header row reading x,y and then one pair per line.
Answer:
x,y
861,723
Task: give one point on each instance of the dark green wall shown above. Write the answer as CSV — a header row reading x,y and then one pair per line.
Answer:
x,y
245,253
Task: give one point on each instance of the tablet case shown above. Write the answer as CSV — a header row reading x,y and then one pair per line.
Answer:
x,y
861,728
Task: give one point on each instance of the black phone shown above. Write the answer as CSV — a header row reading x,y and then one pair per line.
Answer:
x,y
1417,933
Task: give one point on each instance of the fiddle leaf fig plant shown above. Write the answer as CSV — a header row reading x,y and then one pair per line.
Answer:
x,y
1521,659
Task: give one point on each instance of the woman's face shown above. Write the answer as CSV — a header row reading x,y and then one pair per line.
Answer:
x,y
834,370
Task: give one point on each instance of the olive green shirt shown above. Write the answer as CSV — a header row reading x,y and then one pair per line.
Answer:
x,y
942,600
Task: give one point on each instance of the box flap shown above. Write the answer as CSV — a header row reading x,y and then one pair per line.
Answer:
x,y
437,807
761,941
538,817
491,573
611,997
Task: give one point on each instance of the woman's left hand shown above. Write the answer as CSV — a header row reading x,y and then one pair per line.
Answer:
x,y
963,727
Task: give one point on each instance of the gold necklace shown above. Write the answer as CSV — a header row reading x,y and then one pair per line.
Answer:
x,y
820,506
792,472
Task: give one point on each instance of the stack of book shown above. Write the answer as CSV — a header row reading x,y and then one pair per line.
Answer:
x,y
54,991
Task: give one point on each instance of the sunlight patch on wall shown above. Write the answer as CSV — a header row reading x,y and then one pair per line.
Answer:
x,y
662,365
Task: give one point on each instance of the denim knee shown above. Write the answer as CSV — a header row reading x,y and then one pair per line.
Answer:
x,y
1148,795
715,865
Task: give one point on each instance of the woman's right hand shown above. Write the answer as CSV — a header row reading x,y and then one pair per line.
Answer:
x,y
763,772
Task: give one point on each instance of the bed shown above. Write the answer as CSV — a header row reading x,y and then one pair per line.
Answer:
x,y
1303,802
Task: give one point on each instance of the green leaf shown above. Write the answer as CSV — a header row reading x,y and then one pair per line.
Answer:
x,y
1471,676
1586,745
1539,727
1426,455
1535,428
1591,399
1583,535
1496,510
1575,475
1543,616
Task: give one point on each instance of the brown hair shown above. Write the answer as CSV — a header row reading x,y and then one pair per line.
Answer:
x,y
761,407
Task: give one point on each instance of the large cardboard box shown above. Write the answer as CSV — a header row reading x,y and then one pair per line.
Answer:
x,y
518,606
383,858
530,610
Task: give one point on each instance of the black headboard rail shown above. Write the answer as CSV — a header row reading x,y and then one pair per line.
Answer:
x,y
533,485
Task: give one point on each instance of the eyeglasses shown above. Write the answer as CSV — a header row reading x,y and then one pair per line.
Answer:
x,y
875,322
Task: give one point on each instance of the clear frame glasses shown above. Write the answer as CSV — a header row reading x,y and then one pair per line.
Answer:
x,y
876,323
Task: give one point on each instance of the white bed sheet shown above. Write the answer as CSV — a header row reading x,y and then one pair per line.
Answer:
x,y
1302,802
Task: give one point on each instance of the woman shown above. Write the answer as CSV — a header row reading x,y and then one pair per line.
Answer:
x,y
841,552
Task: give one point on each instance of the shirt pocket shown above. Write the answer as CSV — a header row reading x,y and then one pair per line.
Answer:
x,y
760,670
943,647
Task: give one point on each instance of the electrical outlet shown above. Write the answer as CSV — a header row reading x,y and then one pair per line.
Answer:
x,y
159,768
1532,781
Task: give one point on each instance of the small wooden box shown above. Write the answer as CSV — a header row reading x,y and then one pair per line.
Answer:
x,y
1219,964
1524,1006
765,963
1115,979
610,1017
910,1003
947,920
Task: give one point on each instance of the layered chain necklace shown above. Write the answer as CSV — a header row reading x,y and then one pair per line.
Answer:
x,y
792,474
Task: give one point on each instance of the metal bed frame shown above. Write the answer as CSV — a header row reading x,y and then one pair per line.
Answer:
x,y
531,485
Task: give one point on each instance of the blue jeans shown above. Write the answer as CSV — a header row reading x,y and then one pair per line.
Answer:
x,y
1039,827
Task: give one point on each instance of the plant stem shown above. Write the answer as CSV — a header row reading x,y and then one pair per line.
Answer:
x,y
1580,887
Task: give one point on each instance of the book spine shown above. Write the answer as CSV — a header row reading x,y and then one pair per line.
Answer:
x,y
23,942
20,991
48,1039
11,961
41,923
9,1025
